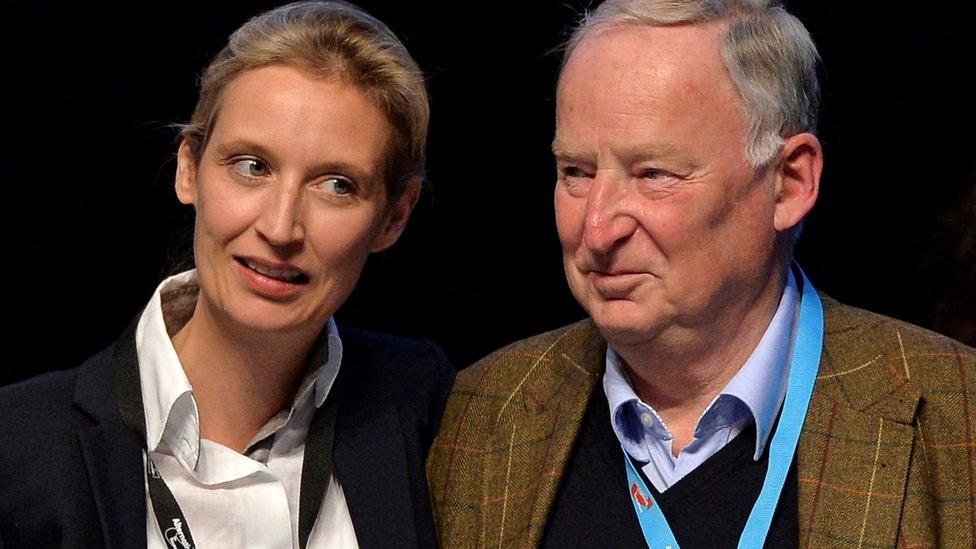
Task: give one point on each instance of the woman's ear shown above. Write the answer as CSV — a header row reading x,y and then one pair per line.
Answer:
x,y
186,174
397,217
797,180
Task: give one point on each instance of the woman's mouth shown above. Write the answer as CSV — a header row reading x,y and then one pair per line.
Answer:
x,y
281,273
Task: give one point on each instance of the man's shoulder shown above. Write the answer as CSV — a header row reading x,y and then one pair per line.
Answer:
x,y
849,328
515,360
869,354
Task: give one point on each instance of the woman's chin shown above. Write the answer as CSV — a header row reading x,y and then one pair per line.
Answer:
x,y
270,318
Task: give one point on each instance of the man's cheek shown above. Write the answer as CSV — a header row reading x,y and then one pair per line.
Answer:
x,y
569,226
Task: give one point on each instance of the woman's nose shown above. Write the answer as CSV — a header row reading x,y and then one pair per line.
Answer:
x,y
280,221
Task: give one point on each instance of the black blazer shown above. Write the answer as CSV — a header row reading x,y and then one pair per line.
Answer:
x,y
71,470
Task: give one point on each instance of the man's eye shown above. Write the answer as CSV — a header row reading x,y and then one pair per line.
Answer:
x,y
654,173
338,186
573,171
250,167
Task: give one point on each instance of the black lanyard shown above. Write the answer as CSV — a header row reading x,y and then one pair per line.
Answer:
x,y
316,472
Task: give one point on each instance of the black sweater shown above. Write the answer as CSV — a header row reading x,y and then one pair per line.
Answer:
x,y
707,508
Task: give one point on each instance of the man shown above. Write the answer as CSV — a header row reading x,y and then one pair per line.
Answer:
x,y
686,162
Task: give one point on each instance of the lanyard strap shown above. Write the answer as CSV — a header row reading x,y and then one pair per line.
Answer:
x,y
316,472
169,516
316,467
782,447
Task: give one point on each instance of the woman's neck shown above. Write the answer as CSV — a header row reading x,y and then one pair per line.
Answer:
x,y
240,378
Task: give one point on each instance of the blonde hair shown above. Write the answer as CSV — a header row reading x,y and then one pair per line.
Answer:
x,y
331,39
768,52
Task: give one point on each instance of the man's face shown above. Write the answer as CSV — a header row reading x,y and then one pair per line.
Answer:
x,y
665,228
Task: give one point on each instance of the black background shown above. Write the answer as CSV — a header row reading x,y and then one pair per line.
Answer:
x,y
91,224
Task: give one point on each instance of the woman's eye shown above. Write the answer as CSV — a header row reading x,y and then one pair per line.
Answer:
x,y
250,167
338,186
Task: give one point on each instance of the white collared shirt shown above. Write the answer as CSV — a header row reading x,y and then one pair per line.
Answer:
x,y
230,499
754,394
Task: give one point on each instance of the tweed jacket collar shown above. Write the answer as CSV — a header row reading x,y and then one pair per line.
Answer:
x,y
852,460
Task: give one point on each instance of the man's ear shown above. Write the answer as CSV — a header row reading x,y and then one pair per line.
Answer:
x,y
797,180
186,174
397,217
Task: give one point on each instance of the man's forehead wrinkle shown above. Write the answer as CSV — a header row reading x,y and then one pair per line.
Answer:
x,y
632,132
636,118
625,97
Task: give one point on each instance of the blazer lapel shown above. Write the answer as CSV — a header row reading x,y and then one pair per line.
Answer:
x,y
111,450
857,439
534,435
370,459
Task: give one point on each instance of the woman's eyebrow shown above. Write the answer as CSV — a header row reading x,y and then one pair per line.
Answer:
x,y
239,146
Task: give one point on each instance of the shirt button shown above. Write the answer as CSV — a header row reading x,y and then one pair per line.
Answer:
x,y
647,419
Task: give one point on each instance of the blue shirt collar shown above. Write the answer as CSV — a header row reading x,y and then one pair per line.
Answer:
x,y
760,385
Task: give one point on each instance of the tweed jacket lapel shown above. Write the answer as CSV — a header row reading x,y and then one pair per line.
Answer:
x,y
533,434
857,439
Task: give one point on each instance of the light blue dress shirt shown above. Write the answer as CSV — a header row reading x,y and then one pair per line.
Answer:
x,y
756,394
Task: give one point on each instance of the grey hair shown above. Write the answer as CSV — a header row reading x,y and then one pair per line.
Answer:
x,y
768,52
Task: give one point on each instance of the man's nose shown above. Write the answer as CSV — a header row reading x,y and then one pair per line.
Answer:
x,y
280,221
608,221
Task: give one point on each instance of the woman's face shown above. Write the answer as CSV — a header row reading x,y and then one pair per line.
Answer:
x,y
290,198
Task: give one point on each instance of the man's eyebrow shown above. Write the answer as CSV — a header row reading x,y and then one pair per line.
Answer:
x,y
561,152
636,153
656,151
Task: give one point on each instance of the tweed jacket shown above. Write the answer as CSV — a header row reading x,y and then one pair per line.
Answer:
x,y
885,457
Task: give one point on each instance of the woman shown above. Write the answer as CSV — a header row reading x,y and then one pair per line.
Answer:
x,y
233,412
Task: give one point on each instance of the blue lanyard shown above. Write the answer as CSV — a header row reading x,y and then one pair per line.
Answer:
x,y
803,374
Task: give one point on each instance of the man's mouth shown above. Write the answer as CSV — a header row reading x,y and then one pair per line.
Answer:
x,y
280,273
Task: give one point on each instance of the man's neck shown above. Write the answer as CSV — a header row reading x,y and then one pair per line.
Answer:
x,y
240,378
681,374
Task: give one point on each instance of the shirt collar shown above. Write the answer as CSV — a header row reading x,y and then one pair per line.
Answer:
x,y
172,416
325,361
760,384
165,387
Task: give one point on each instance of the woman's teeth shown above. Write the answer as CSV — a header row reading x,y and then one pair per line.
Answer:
x,y
278,274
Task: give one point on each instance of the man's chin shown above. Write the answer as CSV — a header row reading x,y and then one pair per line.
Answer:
x,y
622,324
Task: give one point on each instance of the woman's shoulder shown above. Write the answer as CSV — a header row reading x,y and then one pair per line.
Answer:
x,y
409,369
46,404
392,351
36,400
